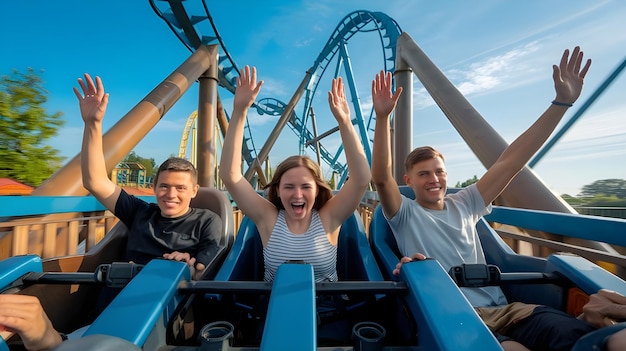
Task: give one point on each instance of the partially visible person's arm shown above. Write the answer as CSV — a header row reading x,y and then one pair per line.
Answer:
x,y
406,259
347,200
382,176
24,315
568,82
604,308
247,199
617,341
196,269
93,167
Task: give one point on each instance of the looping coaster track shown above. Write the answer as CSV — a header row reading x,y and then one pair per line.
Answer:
x,y
192,23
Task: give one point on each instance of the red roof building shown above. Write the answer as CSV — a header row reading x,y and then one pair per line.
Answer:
x,y
12,187
138,191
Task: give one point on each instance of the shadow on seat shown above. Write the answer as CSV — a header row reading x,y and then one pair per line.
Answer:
x,y
383,243
355,260
217,201
244,262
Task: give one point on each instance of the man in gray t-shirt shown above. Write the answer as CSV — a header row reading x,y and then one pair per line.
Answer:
x,y
442,226
448,235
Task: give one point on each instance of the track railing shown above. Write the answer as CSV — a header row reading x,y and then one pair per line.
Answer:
x,y
55,237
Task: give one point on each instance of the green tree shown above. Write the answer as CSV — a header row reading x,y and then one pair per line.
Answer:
x,y
25,126
572,200
606,187
466,183
606,201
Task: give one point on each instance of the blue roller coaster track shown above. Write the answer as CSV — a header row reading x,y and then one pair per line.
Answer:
x,y
187,20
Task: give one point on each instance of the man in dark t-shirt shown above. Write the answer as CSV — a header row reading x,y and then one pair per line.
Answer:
x,y
169,229
152,235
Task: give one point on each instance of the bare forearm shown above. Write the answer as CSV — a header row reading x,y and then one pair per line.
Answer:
x,y
528,143
230,162
381,155
92,163
51,340
24,315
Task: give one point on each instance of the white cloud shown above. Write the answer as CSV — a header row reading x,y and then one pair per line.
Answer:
x,y
599,125
495,72
274,87
299,43
504,71
256,120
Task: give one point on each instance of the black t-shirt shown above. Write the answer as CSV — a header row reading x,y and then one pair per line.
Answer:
x,y
151,235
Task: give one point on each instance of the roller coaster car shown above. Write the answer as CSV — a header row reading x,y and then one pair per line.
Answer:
x,y
158,297
554,281
244,263
71,305
354,256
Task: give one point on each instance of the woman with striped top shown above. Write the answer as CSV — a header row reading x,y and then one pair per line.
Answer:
x,y
300,218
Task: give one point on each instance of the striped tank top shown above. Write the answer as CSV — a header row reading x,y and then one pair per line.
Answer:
x,y
311,247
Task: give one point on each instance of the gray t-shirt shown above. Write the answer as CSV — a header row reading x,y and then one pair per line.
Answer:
x,y
449,236
311,247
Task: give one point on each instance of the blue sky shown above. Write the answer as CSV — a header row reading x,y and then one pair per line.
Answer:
x,y
499,53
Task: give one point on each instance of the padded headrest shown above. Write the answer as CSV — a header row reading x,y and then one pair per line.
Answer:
x,y
216,201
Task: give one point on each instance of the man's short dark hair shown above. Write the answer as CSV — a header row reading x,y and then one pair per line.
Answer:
x,y
420,154
177,164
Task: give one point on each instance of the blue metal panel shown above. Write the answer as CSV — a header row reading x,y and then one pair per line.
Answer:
x,y
291,322
11,206
585,274
445,318
608,230
133,314
499,253
245,259
383,243
355,260
14,267
595,339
